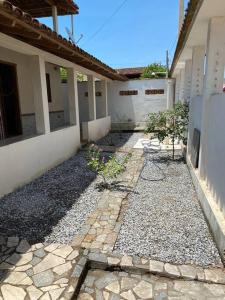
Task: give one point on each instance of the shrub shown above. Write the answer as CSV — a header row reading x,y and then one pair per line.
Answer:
x,y
108,168
171,123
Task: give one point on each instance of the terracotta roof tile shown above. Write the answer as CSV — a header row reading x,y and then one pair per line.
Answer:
x,y
43,8
20,25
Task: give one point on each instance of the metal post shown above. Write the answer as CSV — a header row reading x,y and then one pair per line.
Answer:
x,y
72,25
55,18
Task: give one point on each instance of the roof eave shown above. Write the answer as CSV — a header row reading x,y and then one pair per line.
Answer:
x,y
190,17
23,27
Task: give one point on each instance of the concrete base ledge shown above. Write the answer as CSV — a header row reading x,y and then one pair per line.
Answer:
x,y
211,210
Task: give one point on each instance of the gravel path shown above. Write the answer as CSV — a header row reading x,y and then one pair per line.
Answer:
x,y
53,207
164,220
121,139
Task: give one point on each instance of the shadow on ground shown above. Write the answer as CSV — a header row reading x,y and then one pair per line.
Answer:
x,y
33,210
120,139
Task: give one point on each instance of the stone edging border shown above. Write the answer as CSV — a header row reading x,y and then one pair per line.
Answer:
x,y
96,259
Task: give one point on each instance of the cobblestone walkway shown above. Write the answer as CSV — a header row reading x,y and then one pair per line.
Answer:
x,y
105,285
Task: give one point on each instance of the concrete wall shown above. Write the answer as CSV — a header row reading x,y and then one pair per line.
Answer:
x,y
216,149
83,101
57,92
95,130
130,111
22,161
197,112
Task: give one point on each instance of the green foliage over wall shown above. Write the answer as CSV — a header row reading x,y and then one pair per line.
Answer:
x,y
154,71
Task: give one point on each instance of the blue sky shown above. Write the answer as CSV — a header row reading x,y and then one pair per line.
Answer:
x,y
139,34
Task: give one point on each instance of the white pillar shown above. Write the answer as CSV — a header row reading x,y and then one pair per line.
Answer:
x,y
170,93
213,83
40,95
73,96
198,58
187,80
55,18
104,89
91,98
181,88
197,78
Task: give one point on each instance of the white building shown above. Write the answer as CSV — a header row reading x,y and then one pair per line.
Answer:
x,y
39,120
198,68
42,121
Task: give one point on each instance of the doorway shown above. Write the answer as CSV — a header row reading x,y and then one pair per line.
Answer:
x,y
10,120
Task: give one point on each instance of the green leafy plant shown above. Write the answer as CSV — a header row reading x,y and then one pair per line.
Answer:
x,y
154,70
108,168
171,123
64,76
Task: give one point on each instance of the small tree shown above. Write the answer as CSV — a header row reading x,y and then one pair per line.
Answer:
x,y
154,71
108,168
171,123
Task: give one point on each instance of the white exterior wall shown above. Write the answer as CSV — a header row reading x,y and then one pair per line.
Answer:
x,y
23,161
196,111
96,129
133,110
83,101
58,101
215,155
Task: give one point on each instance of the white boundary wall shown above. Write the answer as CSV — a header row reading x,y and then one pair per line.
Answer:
x,y
131,111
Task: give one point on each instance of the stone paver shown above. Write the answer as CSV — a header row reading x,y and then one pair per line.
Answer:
x,y
146,287
39,271
102,226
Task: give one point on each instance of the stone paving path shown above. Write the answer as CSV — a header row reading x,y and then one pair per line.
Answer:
x,y
100,284
41,271
53,272
102,226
